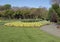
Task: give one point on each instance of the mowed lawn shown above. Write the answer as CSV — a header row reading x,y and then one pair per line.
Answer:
x,y
17,34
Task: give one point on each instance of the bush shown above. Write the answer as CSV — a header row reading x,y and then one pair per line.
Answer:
x,y
27,24
31,20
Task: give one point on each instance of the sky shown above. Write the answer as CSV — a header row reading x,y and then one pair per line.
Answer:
x,y
29,3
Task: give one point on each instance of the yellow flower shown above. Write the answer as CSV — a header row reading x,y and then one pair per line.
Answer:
x,y
27,24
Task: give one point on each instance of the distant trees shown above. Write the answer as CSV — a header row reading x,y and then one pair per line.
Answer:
x,y
7,12
53,14
5,7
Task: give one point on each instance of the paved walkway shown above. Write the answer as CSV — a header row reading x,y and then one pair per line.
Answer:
x,y
51,29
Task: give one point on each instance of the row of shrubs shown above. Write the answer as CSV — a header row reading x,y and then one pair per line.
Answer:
x,y
27,24
30,20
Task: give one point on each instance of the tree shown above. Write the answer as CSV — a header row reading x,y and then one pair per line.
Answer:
x,y
1,8
58,11
53,15
55,7
8,13
43,13
17,14
40,13
7,6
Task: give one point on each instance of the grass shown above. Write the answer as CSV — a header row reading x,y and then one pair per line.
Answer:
x,y
17,34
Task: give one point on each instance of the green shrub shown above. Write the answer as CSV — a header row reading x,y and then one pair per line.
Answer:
x,y
31,20
27,24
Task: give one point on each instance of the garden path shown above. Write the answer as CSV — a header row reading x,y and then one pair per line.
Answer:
x,y
51,29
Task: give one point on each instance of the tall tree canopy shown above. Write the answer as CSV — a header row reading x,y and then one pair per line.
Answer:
x,y
55,10
7,6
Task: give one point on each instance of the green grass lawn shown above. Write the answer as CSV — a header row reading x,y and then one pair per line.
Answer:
x,y
17,34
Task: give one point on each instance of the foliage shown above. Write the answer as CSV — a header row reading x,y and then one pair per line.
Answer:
x,y
8,12
54,12
7,6
31,20
53,15
27,24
